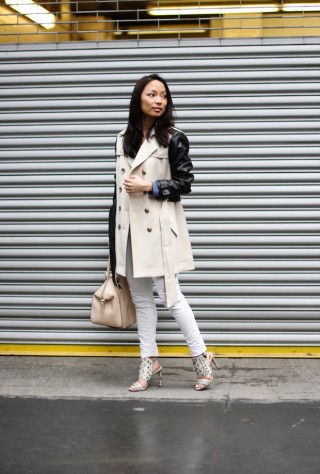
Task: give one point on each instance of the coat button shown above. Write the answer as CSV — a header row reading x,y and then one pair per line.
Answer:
x,y
123,170
119,226
149,229
144,172
120,189
119,208
146,211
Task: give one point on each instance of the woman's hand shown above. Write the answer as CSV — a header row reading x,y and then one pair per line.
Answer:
x,y
135,184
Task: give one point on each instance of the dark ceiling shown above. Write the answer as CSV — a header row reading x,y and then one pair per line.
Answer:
x,y
121,10
127,13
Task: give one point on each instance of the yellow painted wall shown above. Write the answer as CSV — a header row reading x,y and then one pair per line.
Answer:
x,y
255,25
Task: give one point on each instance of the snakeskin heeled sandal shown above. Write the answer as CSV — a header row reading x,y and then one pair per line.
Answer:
x,y
202,365
146,372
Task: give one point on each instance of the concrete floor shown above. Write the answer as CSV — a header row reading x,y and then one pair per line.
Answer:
x,y
265,380
76,416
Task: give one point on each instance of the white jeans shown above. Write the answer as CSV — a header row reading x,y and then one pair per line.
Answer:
x,y
142,295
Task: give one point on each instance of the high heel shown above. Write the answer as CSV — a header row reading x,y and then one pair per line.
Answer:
x,y
202,365
215,363
146,373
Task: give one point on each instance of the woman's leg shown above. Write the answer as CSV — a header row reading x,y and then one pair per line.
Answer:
x,y
146,311
184,316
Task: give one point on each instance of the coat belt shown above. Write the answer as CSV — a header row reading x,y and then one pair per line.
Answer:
x,y
169,275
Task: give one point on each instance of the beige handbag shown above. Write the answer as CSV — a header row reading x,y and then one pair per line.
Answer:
x,y
112,304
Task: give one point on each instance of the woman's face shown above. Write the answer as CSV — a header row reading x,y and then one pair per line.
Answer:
x,y
153,100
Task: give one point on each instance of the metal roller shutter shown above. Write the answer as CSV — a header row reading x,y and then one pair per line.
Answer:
x,y
252,116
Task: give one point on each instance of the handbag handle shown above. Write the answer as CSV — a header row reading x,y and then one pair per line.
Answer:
x,y
114,278
107,274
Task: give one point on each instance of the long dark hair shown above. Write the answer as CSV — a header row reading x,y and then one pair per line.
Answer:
x,y
134,133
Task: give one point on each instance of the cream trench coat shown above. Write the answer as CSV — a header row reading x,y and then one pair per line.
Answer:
x,y
159,234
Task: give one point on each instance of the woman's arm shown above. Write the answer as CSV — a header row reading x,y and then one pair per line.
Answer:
x,y
181,167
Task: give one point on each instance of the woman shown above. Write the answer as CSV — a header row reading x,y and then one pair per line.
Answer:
x,y
151,238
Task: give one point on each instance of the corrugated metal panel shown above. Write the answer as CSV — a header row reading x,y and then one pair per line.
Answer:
x,y
252,117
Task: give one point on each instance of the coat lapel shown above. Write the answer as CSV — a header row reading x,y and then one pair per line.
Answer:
x,y
147,148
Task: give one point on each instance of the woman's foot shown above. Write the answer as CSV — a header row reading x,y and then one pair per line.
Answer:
x,y
202,365
148,367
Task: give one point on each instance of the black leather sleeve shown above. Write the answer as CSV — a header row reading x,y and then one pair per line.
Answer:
x,y
181,169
